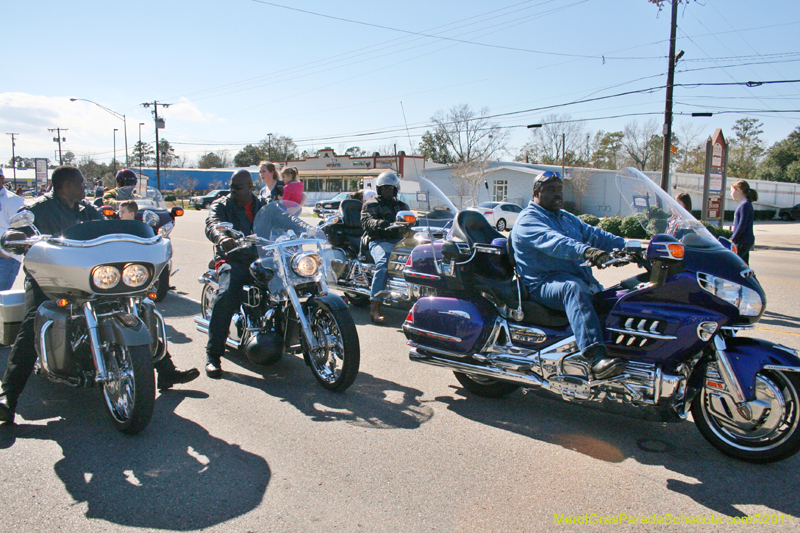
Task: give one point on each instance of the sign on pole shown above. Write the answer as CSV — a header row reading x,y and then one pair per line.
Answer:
x,y
714,180
41,173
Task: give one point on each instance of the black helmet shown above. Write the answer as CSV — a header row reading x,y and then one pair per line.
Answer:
x,y
264,348
126,177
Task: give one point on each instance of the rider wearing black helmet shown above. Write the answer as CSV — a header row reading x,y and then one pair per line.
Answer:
x,y
126,183
377,214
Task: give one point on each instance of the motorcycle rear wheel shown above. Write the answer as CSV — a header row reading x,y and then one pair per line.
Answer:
x,y
130,392
335,364
776,434
485,386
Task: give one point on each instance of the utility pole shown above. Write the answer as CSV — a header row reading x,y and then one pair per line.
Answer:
x,y
140,147
269,147
58,140
13,159
115,151
563,153
667,131
160,123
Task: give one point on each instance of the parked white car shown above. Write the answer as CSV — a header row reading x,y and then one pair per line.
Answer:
x,y
501,215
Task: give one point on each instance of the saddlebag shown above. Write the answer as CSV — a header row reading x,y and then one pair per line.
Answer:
x,y
451,325
12,311
51,326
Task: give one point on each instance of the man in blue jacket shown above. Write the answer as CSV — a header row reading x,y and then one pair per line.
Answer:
x,y
549,247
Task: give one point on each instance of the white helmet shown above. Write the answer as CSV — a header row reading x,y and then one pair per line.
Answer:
x,y
388,178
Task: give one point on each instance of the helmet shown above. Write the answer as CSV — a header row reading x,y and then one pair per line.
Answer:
x,y
264,348
544,178
126,177
388,178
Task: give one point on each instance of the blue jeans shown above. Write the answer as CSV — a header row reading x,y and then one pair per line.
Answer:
x,y
380,250
573,296
9,268
232,277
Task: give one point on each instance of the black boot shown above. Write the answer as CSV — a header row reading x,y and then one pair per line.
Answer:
x,y
603,366
7,408
213,367
175,376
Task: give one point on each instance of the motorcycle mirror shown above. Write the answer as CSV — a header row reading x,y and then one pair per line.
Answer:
x,y
150,218
222,226
176,211
405,217
20,220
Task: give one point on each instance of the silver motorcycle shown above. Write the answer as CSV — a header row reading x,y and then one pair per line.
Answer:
x,y
288,308
99,326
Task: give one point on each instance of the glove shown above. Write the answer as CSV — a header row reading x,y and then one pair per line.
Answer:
x,y
597,257
227,244
383,224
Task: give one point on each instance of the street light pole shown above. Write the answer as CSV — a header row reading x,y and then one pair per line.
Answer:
x,y
115,151
155,105
120,116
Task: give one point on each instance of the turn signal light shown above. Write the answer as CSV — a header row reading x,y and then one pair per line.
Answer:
x,y
108,212
62,302
410,219
178,212
676,250
152,295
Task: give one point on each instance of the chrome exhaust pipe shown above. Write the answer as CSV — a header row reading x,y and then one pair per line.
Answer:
x,y
202,327
467,368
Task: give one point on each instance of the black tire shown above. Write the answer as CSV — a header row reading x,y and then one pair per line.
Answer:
x,y
130,392
162,285
484,386
357,300
335,366
786,217
772,436
501,224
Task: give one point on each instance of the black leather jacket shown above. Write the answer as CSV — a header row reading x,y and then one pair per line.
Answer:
x,y
226,209
53,215
377,214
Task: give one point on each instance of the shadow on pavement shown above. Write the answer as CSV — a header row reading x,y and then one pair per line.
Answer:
x,y
720,483
174,475
776,319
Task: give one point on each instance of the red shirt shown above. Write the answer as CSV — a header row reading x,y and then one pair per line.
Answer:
x,y
293,192
248,208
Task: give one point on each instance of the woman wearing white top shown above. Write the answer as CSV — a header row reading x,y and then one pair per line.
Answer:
x,y
10,203
269,177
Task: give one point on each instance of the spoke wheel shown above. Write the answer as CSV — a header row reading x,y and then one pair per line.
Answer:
x,y
768,431
501,225
207,299
485,386
130,390
336,360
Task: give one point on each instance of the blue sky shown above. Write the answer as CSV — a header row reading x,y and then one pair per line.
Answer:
x,y
335,73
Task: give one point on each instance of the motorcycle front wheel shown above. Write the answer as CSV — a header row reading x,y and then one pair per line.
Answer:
x,y
207,299
162,285
130,391
770,433
335,363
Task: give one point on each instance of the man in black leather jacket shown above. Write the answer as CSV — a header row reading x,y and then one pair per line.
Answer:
x,y
378,214
57,210
233,270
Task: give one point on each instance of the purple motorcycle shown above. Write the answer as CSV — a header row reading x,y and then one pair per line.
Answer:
x,y
675,325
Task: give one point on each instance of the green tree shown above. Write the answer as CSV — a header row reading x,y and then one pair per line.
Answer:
x,y
746,148
21,162
434,148
355,151
468,135
249,156
607,148
282,148
166,153
92,170
142,154
68,158
211,160
782,162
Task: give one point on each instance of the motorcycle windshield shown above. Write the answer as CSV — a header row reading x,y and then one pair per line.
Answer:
x,y
658,212
151,199
427,201
296,252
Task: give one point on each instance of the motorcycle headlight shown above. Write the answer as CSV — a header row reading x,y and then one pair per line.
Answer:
x,y
134,275
105,276
306,264
166,229
746,300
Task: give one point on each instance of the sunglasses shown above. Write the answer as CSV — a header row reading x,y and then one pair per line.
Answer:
x,y
240,187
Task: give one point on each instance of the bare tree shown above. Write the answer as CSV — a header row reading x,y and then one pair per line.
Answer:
x,y
217,185
469,135
466,178
184,185
689,146
580,179
560,136
641,144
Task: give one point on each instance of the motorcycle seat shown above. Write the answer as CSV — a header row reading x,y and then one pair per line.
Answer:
x,y
535,314
351,214
473,228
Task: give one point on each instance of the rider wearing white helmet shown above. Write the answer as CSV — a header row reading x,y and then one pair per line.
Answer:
x,y
377,214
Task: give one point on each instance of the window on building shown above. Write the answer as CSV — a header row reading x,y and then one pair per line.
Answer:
x,y
312,185
499,190
333,185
